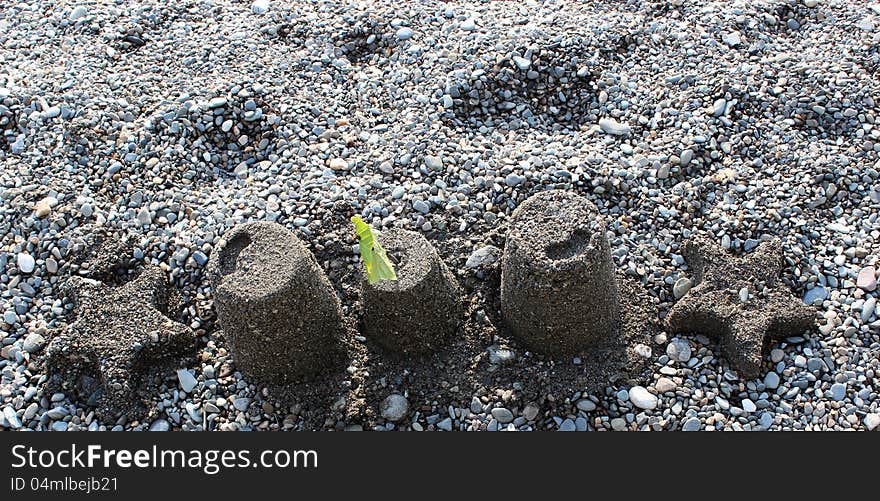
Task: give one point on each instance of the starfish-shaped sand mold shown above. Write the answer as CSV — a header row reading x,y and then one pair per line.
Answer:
x,y
122,336
740,301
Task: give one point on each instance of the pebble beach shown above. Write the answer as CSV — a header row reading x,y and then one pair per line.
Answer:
x,y
171,122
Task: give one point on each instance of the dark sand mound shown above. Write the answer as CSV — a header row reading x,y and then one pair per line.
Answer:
x,y
122,338
275,305
418,312
740,301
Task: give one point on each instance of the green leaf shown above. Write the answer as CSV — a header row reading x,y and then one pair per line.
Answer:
x,y
378,265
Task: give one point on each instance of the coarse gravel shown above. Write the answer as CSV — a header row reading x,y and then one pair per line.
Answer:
x,y
171,122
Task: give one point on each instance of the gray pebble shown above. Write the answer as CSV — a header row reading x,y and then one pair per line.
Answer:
x,y
503,415
26,262
838,391
681,287
691,424
421,206
187,380
567,425
394,407
614,127
642,398
679,350
160,425
33,343
484,256
771,380
586,405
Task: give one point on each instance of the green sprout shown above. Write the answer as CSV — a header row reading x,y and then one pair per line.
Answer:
x,y
378,265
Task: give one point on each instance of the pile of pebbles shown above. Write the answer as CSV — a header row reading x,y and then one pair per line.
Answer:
x,y
739,120
368,36
226,133
14,115
550,80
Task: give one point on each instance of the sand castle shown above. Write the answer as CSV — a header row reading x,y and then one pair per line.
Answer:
x,y
560,295
558,287
420,310
275,304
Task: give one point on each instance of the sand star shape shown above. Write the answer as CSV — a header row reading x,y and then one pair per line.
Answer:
x,y
740,301
121,336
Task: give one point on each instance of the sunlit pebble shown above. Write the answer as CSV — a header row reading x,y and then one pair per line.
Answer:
x,y
26,262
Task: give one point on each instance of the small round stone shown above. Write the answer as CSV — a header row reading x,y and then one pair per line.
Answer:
x,y
568,425
838,391
586,405
681,287
679,350
160,425
502,414
691,424
642,398
260,6
664,385
187,380
33,343
867,278
776,355
394,407
613,127
530,412
26,262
